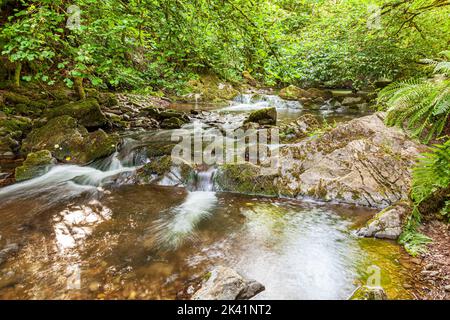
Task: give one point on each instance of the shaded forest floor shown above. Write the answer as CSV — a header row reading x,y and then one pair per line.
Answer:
x,y
436,261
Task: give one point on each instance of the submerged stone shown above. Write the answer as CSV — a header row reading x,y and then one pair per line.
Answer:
x,y
369,293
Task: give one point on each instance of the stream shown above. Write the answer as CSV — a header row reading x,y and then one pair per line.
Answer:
x,y
85,233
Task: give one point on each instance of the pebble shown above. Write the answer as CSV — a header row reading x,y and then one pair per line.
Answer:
x,y
407,286
430,273
429,266
132,295
94,286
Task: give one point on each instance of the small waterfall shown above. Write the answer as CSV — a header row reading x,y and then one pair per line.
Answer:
x,y
64,182
248,102
203,180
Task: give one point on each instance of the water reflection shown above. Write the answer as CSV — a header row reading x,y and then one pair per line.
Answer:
x,y
149,242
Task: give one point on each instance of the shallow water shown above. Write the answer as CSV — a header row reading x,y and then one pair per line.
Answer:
x,y
287,111
152,242
84,233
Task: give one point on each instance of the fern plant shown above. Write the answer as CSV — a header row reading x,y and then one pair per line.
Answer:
x,y
431,173
420,105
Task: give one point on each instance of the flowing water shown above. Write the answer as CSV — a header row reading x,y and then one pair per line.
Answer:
x,y
85,232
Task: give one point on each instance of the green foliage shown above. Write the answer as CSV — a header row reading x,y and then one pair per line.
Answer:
x,y
414,241
445,211
422,104
431,173
164,43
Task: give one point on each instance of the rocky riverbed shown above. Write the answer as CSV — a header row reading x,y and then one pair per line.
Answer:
x,y
81,162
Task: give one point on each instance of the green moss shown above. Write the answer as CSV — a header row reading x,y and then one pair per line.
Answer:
x,y
245,178
35,165
159,149
159,166
15,124
108,99
212,89
87,112
206,276
267,116
172,123
293,93
70,142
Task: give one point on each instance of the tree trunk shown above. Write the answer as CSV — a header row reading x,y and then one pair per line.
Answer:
x,y
17,74
78,82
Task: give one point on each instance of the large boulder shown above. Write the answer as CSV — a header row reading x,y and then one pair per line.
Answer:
x,y
266,116
388,224
293,93
245,178
87,112
69,141
36,164
209,88
360,162
224,283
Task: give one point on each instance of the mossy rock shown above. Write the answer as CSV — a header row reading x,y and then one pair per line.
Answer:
x,y
159,149
211,89
69,141
63,94
161,114
159,166
118,121
267,116
108,99
8,146
369,293
87,112
14,99
319,94
36,164
245,178
293,93
172,123
15,125
299,128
